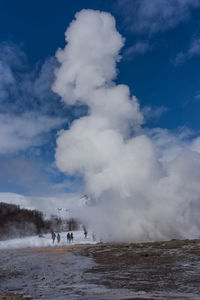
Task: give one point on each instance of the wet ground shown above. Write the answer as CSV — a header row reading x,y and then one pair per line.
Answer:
x,y
160,270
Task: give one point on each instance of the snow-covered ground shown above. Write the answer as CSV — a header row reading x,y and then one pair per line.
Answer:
x,y
46,241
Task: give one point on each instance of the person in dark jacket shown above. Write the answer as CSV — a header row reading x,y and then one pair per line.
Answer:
x,y
71,236
58,238
68,237
85,233
53,236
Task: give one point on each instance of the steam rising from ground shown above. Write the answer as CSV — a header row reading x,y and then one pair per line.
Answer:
x,y
139,195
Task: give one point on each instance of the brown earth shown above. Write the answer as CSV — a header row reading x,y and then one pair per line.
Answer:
x,y
167,266
12,297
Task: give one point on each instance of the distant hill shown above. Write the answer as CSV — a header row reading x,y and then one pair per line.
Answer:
x,y
17,222
20,222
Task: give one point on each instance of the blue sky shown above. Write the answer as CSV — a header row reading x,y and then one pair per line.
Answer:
x,y
160,63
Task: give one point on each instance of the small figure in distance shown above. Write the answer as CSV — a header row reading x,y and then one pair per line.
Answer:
x,y
71,236
85,233
68,237
53,236
58,238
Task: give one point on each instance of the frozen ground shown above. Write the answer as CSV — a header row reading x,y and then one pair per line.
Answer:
x,y
46,241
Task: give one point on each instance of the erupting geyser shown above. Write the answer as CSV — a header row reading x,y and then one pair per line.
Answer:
x,y
140,195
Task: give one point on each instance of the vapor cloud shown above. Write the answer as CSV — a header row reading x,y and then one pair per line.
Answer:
x,y
138,193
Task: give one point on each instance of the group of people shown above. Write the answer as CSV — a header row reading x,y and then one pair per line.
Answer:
x,y
70,237
53,236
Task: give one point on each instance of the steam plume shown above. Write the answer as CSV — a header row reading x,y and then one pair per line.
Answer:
x,y
139,195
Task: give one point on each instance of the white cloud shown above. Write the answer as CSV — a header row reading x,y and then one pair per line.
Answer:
x,y
23,88
144,16
180,58
193,50
138,49
153,113
171,144
6,80
24,131
27,104
143,192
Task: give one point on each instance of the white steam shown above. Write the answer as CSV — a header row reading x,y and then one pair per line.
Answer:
x,y
140,196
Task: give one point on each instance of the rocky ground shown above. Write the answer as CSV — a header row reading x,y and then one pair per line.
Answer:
x,y
159,270
154,268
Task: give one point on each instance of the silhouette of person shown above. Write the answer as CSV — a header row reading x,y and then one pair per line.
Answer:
x,y
68,237
71,236
53,236
58,237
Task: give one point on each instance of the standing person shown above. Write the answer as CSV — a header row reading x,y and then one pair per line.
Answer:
x,y
68,237
85,231
53,236
58,238
71,236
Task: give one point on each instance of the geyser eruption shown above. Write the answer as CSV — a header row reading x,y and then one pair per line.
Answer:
x,y
140,196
